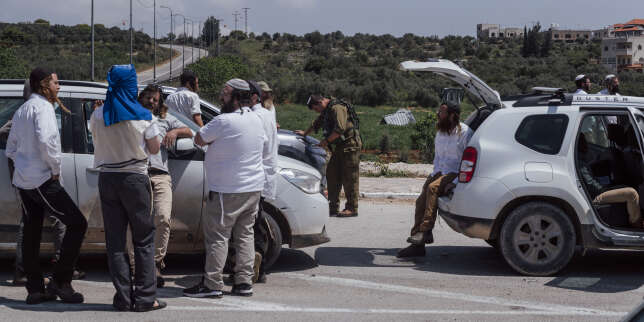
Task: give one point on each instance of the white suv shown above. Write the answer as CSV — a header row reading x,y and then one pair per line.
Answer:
x,y
520,186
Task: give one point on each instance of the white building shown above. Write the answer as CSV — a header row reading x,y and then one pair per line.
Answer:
x,y
624,49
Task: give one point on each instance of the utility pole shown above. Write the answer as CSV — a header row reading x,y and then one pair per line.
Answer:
x,y
92,71
246,20
131,35
154,72
198,35
192,33
236,14
170,36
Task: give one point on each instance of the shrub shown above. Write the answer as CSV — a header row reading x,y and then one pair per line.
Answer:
x,y
423,136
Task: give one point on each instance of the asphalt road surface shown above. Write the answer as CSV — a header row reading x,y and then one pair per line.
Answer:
x,y
163,71
356,277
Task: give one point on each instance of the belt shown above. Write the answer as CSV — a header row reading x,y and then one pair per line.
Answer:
x,y
152,171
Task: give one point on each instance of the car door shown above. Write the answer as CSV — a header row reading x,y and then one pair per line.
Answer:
x,y
627,237
186,171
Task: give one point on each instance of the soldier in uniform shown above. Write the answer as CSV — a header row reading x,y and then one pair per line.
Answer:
x,y
340,126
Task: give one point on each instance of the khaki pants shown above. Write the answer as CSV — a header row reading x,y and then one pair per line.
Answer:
x,y
627,195
343,170
228,213
162,211
427,202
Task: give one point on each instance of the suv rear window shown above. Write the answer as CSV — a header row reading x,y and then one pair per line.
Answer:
x,y
543,133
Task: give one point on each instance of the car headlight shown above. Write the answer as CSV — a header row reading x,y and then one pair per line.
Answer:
x,y
305,181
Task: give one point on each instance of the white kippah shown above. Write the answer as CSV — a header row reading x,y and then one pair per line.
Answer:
x,y
609,76
239,84
580,77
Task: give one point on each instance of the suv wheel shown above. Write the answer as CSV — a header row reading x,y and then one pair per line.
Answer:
x,y
537,238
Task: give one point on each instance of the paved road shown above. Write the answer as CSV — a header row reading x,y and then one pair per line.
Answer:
x,y
163,71
356,277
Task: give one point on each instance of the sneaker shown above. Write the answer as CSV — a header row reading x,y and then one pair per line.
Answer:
x,y
256,266
201,290
242,289
40,297
78,274
65,292
19,278
421,238
412,251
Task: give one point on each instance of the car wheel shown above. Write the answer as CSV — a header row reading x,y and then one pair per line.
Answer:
x,y
275,247
537,239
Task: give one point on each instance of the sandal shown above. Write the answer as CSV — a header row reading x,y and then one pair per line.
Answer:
x,y
347,213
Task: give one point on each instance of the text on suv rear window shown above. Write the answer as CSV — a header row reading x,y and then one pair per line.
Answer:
x,y
543,133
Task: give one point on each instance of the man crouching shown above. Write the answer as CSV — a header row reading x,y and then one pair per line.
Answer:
x,y
449,144
235,172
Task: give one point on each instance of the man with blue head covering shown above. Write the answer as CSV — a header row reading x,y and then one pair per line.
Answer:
x,y
124,137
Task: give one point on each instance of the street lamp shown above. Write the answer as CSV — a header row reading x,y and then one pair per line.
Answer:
x,y
192,50
171,32
183,49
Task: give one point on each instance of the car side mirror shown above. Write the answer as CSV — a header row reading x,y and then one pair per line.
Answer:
x,y
183,146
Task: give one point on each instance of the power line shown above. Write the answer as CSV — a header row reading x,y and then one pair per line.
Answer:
x,y
246,20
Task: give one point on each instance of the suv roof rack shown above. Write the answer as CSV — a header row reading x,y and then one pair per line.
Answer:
x,y
558,98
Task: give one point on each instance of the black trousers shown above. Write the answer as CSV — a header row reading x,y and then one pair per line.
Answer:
x,y
50,196
126,199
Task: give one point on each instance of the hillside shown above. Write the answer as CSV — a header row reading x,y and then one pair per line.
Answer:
x,y
364,68
66,49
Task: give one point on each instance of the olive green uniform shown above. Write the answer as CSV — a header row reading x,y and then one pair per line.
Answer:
x,y
343,168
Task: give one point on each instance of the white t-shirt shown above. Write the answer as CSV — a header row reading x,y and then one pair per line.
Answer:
x,y
121,147
185,102
606,92
34,143
236,144
270,153
580,91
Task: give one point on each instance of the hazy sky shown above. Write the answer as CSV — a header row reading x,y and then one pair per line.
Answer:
x,y
423,17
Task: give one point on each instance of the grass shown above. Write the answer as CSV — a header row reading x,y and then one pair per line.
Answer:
x,y
299,117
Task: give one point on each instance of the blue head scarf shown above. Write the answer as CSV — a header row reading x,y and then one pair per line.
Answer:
x,y
120,102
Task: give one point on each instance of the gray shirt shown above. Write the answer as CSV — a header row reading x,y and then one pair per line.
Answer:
x,y
159,161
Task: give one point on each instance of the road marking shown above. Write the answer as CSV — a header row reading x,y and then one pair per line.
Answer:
x,y
572,310
242,305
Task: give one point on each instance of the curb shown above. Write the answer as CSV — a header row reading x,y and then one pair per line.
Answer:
x,y
390,195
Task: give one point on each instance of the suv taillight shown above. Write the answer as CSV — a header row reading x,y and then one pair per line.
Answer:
x,y
468,164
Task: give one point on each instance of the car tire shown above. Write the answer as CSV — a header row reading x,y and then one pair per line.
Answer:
x,y
275,247
538,239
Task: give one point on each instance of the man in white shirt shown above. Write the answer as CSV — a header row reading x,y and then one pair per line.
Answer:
x,y
235,173
123,137
449,144
170,129
612,86
262,237
267,100
186,100
34,147
583,84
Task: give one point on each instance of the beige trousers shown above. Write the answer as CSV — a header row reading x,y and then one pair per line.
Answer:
x,y
162,212
627,195
226,214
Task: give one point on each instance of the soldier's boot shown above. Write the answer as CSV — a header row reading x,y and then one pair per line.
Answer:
x,y
412,251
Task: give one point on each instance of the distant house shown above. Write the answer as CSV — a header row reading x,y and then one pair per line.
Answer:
x,y
494,32
623,48
569,35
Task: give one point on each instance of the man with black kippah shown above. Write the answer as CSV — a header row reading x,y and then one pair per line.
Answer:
x,y
34,146
449,144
